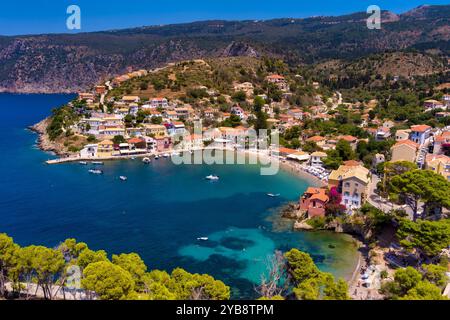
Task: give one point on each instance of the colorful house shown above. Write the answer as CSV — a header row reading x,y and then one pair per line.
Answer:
x,y
163,144
420,133
352,182
440,164
105,149
155,130
314,201
405,150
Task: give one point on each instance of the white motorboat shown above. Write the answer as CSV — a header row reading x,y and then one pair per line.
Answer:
x,y
212,178
203,239
95,171
97,163
146,160
83,163
156,157
166,155
123,178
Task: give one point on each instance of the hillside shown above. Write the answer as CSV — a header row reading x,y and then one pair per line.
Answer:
x,y
401,64
62,62
176,79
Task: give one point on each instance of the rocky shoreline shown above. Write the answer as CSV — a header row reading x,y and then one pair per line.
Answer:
x,y
44,143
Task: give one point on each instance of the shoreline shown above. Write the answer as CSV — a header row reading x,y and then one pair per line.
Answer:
x,y
286,165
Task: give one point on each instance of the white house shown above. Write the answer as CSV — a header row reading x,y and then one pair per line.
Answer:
x,y
317,159
159,103
238,111
89,151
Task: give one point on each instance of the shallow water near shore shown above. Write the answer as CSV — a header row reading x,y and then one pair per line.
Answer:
x,y
159,212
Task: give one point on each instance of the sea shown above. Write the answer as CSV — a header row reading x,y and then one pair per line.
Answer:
x,y
159,212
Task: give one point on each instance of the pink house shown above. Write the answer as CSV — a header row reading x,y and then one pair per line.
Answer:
x,y
314,201
163,144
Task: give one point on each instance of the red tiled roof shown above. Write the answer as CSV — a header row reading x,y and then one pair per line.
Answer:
x,y
348,138
420,128
287,150
351,163
316,139
407,142
275,76
135,140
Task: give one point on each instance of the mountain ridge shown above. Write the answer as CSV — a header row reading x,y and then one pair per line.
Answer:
x,y
72,62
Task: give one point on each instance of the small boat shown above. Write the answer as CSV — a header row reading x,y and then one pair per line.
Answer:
x,y
273,195
83,163
123,178
146,160
156,157
203,239
95,171
166,155
133,158
97,163
331,246
212,178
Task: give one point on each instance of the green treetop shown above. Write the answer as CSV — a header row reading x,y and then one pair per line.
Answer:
x,y
108,280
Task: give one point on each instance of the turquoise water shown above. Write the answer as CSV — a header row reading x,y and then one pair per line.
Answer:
x,y
159,212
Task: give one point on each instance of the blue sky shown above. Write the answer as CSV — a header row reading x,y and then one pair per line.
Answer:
x,y
49,16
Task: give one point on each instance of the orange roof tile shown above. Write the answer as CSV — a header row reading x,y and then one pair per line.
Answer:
x,y
316,139
351,163
348,138
407,142
287,150
420,128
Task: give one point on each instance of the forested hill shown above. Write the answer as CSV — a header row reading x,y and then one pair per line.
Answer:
x,y
63,62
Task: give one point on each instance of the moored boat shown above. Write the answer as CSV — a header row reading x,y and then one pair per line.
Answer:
x,y
273,195
97,163
123,178
95,171
146,160
83,163
212,178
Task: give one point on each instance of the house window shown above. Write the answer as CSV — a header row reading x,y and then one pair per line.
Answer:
x,y
347,194
347,184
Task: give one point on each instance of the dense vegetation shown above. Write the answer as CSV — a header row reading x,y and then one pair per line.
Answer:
x,y
124,277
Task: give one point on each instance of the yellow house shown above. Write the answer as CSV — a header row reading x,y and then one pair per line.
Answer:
x,y
440,164
131,99
105,149
155,130
405,150
352,182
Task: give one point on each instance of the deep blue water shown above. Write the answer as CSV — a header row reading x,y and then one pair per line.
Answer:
x,y
159,212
